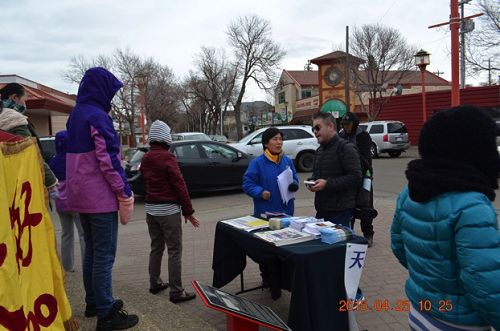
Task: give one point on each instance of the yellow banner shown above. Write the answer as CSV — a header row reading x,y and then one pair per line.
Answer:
x,y
32,295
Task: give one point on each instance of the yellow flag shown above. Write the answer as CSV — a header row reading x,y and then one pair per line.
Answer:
x,y
32,295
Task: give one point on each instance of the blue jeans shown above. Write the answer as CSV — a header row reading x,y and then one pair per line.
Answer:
x,y
100,233
342,217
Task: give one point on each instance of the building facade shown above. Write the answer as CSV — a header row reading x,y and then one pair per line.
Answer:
x,y
47,108
301,93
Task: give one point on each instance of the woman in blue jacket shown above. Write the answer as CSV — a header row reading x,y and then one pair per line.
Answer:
x,y
445,229
260,180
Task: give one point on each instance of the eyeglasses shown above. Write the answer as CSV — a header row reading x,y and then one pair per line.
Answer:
x,y
316,128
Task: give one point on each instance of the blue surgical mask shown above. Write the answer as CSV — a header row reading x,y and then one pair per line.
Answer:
x,y
9,103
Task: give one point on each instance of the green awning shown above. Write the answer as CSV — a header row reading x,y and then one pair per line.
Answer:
x,y
334,106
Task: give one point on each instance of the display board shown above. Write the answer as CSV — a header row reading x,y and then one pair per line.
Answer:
x,y
236,305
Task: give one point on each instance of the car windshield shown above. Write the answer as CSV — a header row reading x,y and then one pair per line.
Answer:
x,y
195,136
137,156
396,128
247,138
200,136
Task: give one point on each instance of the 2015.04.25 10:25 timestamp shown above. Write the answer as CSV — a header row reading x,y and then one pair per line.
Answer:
x,y
380,305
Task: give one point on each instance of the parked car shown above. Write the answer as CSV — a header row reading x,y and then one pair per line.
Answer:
x,y
205,165
387,137
190,136
48,147
127,155
219,138
299,144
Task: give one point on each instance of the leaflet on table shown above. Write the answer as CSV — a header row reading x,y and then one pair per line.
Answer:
x,y
286,236
299,222
247,223
280,222
314,228
336,234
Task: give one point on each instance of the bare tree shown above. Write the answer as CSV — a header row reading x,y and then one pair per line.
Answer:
x,y
483,51
212,85
257,56
387,56
162,93
134,72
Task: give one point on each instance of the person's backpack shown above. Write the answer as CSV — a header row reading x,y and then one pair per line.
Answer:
x,y
363,192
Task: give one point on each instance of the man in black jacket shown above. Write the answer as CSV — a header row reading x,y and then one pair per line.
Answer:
x,y
352,133
337,176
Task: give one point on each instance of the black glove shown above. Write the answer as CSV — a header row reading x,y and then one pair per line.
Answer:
x,y
293,187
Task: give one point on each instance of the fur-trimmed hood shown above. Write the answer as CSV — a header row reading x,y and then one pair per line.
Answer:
x,y
9,119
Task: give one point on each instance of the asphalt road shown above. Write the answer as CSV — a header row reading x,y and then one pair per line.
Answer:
x,y
389,180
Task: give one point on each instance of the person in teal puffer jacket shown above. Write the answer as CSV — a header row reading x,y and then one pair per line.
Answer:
x,y
445,229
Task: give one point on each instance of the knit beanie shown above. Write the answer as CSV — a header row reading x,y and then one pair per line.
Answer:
x,y
463,134
160,132
269,134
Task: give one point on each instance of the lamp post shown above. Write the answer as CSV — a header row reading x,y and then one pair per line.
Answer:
x,y
141,79
286,112
422,60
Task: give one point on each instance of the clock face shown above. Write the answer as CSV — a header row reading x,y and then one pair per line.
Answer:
x,y
333,76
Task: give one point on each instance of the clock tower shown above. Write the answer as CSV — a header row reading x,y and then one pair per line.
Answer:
x,y
332,82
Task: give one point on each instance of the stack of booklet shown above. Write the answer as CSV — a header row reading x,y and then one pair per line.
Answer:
x,y
286,236
314,228
298,223
247,223
336,234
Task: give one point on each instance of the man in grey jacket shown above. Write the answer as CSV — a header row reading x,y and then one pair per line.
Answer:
x,y
336,173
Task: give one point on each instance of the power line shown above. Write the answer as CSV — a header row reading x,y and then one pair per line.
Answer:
x,y
387,11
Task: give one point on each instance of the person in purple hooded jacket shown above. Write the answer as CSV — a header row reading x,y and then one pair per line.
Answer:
x,y
96,188
69,220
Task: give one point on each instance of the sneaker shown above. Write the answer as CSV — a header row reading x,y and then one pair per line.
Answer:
x,y
117,319
184,296
91,310
370,241
158,288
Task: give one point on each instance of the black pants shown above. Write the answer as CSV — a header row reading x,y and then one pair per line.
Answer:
x,y
366,217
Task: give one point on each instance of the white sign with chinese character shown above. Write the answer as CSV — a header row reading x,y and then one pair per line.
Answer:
x,y
355,257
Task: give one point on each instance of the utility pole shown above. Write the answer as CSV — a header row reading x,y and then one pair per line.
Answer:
x,y
438,73
489,72
454,24
347,70
465,27
454,27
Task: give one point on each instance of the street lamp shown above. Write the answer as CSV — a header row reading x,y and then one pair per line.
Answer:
x,y
422,60
286,112
141,79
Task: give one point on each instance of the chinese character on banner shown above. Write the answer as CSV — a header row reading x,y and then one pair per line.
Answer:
x,y
355,257
32,295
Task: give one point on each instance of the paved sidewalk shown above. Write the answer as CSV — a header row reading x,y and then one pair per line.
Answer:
x,y
383,277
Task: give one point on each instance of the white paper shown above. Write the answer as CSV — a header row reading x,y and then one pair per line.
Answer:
x,y
284,180
355,257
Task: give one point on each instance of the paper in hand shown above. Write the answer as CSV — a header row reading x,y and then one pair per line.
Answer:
x,y
284,180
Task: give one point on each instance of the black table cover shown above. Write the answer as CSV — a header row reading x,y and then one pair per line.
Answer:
x,y
312,271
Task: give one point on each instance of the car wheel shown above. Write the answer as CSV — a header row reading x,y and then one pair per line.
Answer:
x,y
373,150
305,162
395,153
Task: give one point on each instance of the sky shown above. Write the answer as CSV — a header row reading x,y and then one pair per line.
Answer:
x,y
39,38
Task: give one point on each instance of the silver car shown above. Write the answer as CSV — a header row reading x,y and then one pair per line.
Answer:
x,y
387,137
